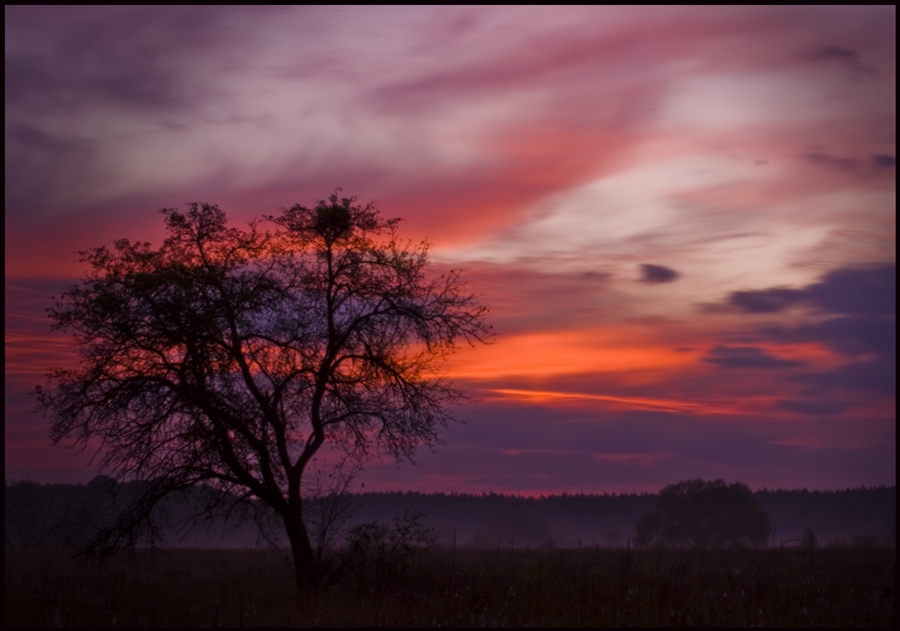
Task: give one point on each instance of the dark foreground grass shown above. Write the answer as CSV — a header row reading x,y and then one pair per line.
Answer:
x,y
184,588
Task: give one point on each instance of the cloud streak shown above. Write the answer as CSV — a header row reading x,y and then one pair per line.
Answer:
x,y
746,357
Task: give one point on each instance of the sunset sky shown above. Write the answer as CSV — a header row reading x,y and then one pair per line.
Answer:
x,y
681,219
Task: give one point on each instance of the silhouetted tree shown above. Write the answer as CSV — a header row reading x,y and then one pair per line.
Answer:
x,y
702,514
229,357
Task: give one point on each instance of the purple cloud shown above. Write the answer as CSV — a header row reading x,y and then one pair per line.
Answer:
x,y
821,159
867,289
765,301
849,58
862,290
874,376
850,335
882,161
876,163
655,274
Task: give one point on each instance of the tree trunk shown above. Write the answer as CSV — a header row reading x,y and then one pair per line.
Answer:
x,y
301,549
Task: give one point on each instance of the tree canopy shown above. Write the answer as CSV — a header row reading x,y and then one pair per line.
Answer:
x,y
700,514
229,356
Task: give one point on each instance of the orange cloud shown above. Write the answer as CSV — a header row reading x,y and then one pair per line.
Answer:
x,y
566,352
620,349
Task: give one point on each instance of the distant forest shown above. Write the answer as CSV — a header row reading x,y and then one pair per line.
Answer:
x,y
55,515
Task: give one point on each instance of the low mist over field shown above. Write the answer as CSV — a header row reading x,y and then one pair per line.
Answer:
x,y
59,514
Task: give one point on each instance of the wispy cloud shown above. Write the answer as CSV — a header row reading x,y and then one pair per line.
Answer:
x,y
632,403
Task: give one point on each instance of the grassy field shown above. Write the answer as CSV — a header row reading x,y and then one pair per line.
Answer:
x,y
589,587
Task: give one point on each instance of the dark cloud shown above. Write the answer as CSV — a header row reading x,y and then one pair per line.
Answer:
x,y
128,56
850,335
863,299
654,274
746,357
848,58
825,160
67,66
857,290
38,161
835,52
765,301
31,136
852,290
875,164
874,376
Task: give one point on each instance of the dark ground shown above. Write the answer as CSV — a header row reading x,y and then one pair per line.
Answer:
x,y
587,587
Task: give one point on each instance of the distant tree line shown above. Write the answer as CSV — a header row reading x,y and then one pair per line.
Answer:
x,y
63,515
69,515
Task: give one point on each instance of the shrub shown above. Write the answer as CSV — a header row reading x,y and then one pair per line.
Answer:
x,y
378,555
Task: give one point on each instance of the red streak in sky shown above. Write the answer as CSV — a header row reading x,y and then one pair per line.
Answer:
x,y
736,407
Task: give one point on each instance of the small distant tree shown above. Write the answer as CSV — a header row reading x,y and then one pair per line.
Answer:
x,y
699,514
228,357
